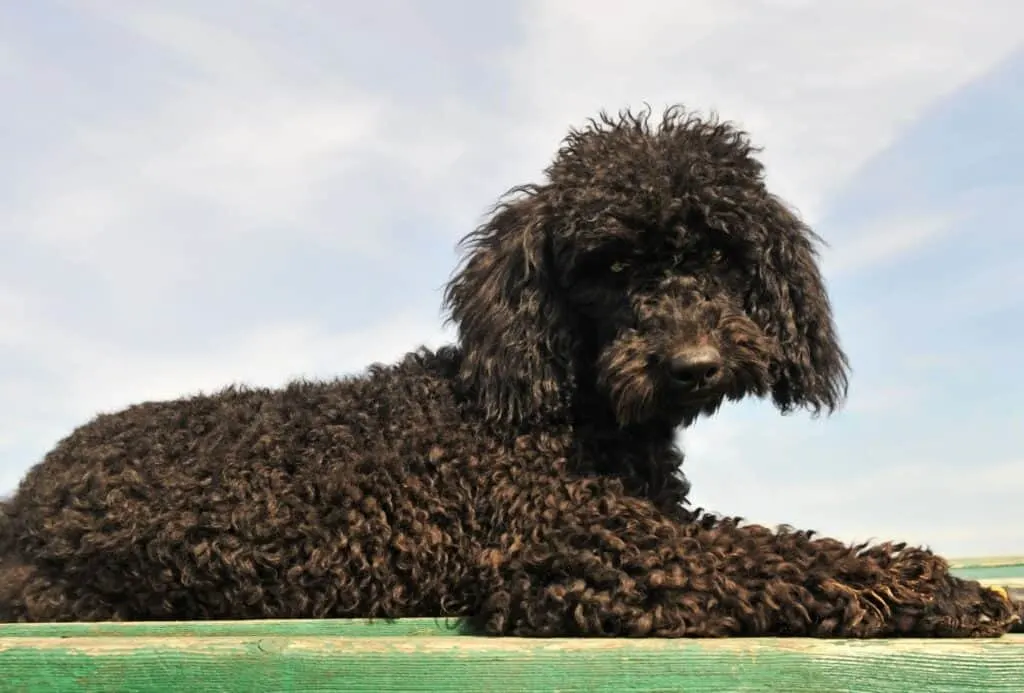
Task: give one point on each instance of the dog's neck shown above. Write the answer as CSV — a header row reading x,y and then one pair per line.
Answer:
x,y
644,456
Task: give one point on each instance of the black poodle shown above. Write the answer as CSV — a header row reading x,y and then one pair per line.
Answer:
x,y
526,478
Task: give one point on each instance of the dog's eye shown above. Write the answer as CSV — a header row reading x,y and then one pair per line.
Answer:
x,y
618,267
716,256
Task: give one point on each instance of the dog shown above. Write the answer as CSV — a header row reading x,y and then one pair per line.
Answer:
x,y
525,478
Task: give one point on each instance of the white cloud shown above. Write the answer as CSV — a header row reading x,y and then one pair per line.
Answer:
x,y
823,85
882,399
217,51
15,309
955,510
99,375
243,140
887,239
977,510
916,479
205,144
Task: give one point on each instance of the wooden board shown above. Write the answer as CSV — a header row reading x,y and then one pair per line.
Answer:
x,y
431,655
278,661
960,564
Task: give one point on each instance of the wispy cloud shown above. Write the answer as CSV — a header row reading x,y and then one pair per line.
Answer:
x,y
823,85
893,237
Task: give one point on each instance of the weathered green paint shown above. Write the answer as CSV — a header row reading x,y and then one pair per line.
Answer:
x,y
335,628
248,664
992,573
439,656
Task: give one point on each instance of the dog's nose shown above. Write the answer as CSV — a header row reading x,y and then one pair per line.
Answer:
x,y
695,367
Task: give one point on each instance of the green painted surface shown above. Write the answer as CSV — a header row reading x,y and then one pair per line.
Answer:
x,y
408,627
442,664
989,561
440,656
989,573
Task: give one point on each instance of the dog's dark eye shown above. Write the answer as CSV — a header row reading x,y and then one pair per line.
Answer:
x,y
618,267
716,256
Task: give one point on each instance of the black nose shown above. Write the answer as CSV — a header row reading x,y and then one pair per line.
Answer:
x,y
695,367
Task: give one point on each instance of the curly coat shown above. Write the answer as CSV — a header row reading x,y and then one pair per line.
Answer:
x,y
526,478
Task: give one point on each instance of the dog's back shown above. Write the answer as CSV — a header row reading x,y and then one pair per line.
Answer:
x,y
243,503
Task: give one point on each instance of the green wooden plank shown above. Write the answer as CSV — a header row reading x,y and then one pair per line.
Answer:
x,y
986,562
328,628
991,573
249,664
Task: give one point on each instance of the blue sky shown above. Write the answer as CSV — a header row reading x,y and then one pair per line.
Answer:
x,y
198,193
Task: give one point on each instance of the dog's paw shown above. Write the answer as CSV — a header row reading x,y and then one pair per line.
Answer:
x,y
1015,596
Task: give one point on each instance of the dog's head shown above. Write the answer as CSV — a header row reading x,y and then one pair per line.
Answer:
x,y
653,273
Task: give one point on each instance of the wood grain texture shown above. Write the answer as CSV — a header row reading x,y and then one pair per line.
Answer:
x,y
333,628
248,664
440,656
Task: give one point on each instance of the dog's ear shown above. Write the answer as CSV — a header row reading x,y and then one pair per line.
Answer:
x,y
790,301
515,340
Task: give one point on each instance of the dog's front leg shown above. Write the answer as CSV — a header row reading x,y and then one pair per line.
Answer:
x,y
802,585
586,559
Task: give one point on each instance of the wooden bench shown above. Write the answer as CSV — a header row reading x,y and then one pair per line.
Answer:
x,y
430,655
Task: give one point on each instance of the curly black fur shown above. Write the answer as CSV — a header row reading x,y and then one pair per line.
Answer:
x,y
526,478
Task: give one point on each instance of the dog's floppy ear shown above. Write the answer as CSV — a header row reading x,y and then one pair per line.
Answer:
x,y
515,341
790,301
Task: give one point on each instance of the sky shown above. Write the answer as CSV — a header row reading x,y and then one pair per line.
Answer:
x,y
194,194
